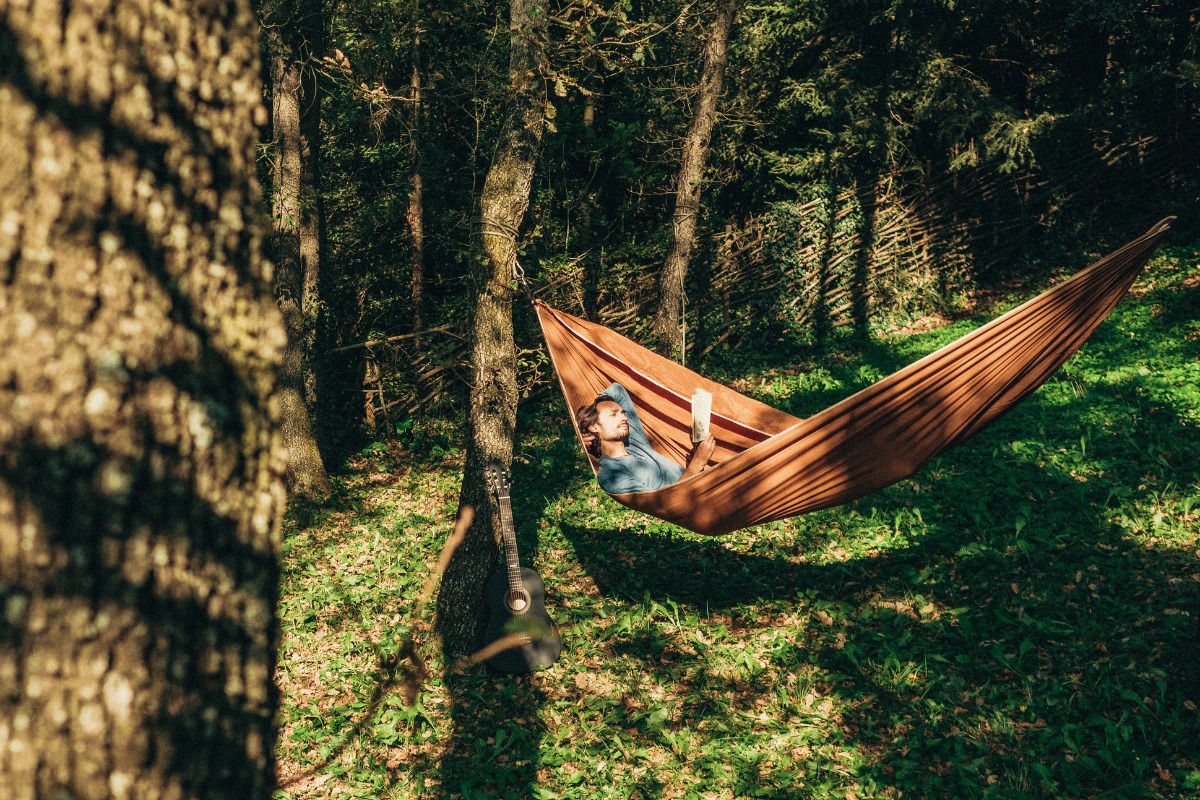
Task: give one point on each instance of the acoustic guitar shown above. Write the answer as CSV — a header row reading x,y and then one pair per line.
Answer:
x,y
515,597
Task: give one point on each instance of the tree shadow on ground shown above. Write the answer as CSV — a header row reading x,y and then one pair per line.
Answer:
x,y
497,722
1023,619
497,717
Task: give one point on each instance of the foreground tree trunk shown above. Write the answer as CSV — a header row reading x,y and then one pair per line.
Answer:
x,y
666,327
141,475
292,29
493,412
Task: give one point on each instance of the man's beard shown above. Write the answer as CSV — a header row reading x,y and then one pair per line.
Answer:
x,y
623,438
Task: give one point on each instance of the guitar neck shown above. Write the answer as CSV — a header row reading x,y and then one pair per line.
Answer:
x,y
509,537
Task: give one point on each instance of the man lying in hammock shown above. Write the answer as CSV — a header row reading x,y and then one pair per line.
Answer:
x,y
612,432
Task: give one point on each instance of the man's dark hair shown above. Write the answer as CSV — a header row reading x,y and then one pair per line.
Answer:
x,y
587,416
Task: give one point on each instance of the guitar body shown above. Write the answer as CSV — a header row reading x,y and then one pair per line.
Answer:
x,y
533,620
516,597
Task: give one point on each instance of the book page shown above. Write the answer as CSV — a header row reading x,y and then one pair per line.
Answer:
x,y
701,414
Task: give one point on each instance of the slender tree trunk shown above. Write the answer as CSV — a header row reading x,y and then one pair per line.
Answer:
x,y
296,243
312,207
822,319
415,215
493,412
666,328
141,471
860,286
585,240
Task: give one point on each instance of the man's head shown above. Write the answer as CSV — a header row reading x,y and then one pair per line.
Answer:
x,y
605,419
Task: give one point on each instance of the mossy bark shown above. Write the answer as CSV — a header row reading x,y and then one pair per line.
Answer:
x,y
140,466
493,411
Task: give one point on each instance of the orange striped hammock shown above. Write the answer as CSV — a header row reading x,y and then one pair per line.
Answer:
x,y
769,465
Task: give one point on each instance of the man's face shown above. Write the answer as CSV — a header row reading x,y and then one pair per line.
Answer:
x,y
611,423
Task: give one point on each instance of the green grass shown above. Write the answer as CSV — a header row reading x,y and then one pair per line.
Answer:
x,y
1019,620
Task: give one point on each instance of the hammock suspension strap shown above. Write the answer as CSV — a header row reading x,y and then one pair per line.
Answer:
x,y
490,227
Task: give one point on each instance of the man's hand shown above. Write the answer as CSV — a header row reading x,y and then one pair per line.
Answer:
x,y
701,454
588,437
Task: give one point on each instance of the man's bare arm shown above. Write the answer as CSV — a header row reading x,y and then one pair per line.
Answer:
x,y
700,457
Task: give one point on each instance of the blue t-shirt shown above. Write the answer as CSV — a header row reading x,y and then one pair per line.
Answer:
x,y
644,469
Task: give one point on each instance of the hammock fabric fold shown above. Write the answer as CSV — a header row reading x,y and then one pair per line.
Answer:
x,y
769,465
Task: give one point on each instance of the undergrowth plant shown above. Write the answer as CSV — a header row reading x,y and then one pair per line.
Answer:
x,y
1019,620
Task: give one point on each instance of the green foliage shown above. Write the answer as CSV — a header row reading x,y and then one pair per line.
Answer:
x,y
985,136
1019,620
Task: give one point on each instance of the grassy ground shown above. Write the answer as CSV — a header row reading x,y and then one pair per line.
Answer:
x,y
1022,619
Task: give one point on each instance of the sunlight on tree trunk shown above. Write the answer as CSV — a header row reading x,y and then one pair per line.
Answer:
x,y
141,472
296,242
667,325
493,411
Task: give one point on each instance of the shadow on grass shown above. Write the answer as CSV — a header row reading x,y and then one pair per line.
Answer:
x,y
1023,646
497,724
1020,643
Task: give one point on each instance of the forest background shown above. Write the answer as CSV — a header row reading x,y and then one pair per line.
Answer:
x,y
766,191
740,186
871,165
723,182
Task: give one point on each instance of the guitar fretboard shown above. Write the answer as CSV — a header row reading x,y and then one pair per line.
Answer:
x,y
509,537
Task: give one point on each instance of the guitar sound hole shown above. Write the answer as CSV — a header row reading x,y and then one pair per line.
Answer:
x,y
518,601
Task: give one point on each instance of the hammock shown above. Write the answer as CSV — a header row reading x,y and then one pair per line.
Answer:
x,y
770,465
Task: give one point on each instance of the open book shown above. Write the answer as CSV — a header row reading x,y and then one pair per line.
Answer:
x,y
701,414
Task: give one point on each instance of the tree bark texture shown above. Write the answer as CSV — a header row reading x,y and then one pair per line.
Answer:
x,y
666,327
291,28
493,411
141,475
415,213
